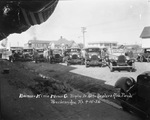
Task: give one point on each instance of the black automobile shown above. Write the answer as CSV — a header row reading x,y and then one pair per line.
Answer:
x,y
38,55
144,56
93,57
28,54
122,62
134,94
57,56
75,56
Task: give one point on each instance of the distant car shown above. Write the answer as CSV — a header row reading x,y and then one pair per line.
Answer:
x,y
28,54
38,55
57,56
74,56
144,56
122,62
93,57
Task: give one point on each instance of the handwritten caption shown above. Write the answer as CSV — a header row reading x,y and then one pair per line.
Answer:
x,y
74,99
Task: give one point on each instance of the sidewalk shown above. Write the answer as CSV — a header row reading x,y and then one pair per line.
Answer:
x,y
15,108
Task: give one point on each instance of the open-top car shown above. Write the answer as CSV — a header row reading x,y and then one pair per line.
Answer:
x,y
121,62
57,56
38,55
144,56
93,57
28,53
75,56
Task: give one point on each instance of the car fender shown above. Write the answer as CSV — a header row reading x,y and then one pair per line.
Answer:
x,y
122,83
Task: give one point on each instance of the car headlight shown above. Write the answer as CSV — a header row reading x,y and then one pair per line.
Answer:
x,y
127,58
130,81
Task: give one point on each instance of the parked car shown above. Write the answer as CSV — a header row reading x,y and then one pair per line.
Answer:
x,y
38,55
57,56
134,95
75,56
144,56
93,57
122,62
28,54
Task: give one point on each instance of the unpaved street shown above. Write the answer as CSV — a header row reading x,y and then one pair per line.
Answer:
x,y
110,77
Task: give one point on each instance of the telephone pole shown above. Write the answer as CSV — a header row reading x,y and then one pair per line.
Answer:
x,y
83,32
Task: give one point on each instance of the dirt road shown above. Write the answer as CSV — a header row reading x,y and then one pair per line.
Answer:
x,y
110,77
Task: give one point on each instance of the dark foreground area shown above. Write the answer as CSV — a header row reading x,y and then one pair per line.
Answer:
x,y
26,95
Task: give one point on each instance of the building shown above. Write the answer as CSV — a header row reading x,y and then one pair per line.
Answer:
x,y
145,35
60,43
37,43
103,44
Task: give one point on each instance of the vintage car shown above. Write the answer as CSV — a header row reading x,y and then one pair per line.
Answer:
x,y
57,56
93,57
121,62
134,94
144,56
38,55
28,54
74,56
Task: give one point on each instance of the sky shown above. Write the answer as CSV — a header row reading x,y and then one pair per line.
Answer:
x,y
119,21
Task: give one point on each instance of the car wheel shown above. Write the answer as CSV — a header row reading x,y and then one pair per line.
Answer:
x,y
68,64
141,59
124,106
86,65
148,59
111,68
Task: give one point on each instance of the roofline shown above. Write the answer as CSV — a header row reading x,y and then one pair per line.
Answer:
x,y
103,42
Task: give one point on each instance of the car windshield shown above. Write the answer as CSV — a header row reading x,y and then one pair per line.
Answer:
x,y
57,51
40,50
93,50
75,50
147,50
27,50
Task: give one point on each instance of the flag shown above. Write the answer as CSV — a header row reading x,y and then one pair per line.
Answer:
x,y
33,18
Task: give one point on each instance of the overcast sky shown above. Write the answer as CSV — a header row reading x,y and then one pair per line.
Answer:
x,y
105,20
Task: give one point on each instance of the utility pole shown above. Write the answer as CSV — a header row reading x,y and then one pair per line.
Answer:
x,y
83,31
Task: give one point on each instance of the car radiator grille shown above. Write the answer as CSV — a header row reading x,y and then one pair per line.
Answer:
x,y
74,56
94,57
57,56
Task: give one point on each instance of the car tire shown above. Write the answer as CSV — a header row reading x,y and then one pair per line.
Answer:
x,y
86,65
68,64
141,59
148,59
111,68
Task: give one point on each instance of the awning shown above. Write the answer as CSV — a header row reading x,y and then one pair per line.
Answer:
x,y
145,33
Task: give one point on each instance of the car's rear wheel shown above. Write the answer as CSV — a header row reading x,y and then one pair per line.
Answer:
x,y
86,65
68,64
141,59
148,59
111,68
